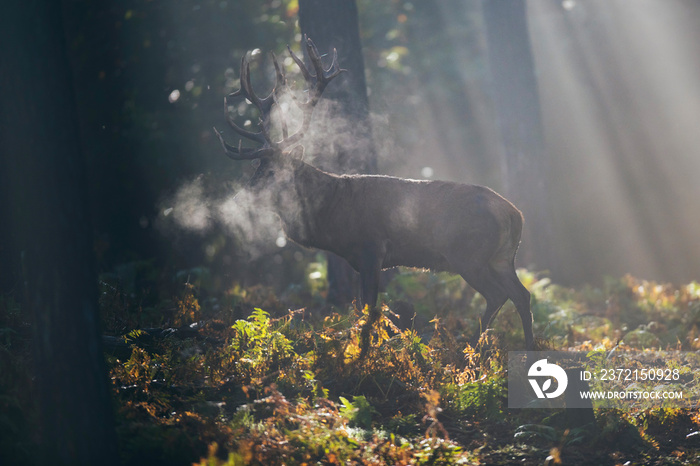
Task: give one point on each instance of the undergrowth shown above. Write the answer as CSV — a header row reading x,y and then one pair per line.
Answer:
x,y
243,380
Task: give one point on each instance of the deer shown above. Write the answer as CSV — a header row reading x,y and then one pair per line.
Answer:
x,y
377,222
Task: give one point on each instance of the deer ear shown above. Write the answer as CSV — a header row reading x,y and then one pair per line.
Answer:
x,y
297,152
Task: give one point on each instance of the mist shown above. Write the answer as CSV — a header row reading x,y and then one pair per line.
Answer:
x,y
202,206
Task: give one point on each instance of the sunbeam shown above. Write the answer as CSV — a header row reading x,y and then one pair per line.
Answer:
x,y
620,89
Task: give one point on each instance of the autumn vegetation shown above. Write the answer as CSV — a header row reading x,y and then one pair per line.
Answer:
x,y
248,376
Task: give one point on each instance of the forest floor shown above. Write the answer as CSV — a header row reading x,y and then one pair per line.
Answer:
x,y
248,377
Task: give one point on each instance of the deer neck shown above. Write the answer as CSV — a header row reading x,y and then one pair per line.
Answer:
x,y
303,201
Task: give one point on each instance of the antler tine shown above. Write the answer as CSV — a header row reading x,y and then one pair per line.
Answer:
x,y
281,79
315,58
239,92
263,104
260,136
334,65
322,75
308,77
241,153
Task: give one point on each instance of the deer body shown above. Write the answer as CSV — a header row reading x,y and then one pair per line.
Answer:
x,y
376,222
429,224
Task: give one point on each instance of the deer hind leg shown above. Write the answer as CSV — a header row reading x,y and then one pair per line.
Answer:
x,y
485,283
516,291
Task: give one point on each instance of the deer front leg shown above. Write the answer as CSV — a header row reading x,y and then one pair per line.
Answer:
x,y
371,264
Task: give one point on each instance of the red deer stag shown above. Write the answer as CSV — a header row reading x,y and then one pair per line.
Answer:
x,y
376,222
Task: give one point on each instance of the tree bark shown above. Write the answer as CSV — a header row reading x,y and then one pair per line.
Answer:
x,y
345,145
517,107
50,226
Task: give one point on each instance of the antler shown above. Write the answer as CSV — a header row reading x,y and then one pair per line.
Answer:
x,y
317,83
263,105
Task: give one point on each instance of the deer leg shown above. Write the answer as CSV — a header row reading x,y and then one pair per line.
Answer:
x,y
369,283
369,286
495,296
520,296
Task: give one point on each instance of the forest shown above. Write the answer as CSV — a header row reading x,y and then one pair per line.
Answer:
x,y
170,295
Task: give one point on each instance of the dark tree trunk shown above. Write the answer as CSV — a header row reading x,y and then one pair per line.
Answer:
x,y
347,146
50,225
333,24
9,278
519,120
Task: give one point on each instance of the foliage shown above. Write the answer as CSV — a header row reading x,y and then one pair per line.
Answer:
x,y
251,386
359,412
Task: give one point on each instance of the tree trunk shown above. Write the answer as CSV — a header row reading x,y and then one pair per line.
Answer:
x,y
517,107
345,145
51,228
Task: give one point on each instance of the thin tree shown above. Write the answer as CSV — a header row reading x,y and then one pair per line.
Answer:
x,y
42,157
